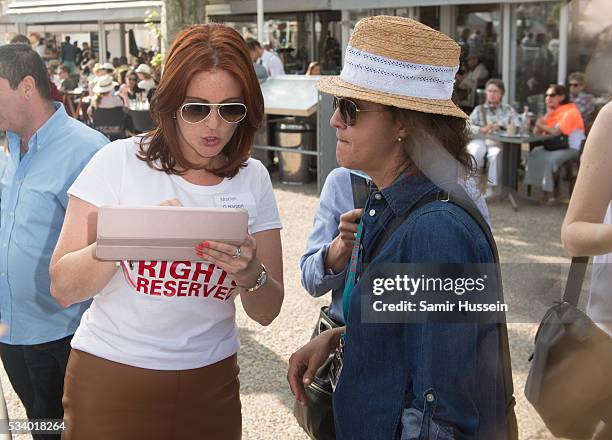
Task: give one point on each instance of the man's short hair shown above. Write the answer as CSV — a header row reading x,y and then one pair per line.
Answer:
x,y
18,61
253,44
63,68
20,39
578,77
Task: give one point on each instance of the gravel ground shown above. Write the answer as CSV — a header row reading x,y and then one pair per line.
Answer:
x,y
529,247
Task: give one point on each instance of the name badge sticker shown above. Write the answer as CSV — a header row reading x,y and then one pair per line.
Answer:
x,y
242,200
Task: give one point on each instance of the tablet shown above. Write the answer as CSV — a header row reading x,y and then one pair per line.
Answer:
x,y
167,233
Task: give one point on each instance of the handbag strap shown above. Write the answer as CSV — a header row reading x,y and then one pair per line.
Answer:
x,y
575,278
462,201
397,221
504,345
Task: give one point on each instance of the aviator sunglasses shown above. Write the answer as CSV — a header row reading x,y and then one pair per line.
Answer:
x,y
349,110
195,112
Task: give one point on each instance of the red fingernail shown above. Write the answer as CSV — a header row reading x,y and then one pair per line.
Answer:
x,y
206,244
200,246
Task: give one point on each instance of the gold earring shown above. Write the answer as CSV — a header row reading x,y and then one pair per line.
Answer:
x,y
399,139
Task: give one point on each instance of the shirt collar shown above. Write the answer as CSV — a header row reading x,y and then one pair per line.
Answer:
x,y
407,190
43,135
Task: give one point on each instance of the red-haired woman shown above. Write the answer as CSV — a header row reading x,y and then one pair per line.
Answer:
x,y
155,354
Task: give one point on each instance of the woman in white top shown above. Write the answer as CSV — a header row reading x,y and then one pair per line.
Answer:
x,y
587,228
146,83
103,95
155,354
487,118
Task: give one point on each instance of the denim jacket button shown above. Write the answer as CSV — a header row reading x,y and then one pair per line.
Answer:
x,y
429,397
378,196
372,212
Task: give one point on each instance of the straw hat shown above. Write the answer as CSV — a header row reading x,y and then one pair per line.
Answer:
x,y
104,84
399,62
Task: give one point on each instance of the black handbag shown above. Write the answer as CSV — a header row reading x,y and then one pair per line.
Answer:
x,y
317,419
557,143
569,382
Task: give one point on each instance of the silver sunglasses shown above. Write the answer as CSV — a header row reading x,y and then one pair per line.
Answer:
x,y
195,112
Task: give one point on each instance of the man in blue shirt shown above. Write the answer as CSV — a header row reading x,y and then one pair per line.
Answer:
x,y
331,241
47,151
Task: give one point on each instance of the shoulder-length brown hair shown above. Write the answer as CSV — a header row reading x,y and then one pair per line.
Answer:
x,y
428,129
198,48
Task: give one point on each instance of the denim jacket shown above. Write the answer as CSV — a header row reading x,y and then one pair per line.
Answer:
x,y
419,381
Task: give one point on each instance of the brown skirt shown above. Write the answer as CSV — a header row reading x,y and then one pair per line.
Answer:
x,y
109,400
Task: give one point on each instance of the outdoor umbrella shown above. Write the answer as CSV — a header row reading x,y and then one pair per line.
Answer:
x,y
133,45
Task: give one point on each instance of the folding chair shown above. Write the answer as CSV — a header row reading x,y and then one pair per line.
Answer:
x,y
110,122
142,121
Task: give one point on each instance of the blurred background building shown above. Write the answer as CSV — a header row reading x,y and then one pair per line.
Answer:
x,y
528,44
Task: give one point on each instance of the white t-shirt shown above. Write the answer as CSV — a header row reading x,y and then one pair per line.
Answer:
x,y
272,63
166,315
600,300
41,50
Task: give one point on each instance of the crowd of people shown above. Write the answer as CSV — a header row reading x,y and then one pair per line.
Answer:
x,y
569,115
165,365
563,119
83,83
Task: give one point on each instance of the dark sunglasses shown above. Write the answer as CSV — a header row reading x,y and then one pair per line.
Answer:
x,y
349,110
194,112
550,95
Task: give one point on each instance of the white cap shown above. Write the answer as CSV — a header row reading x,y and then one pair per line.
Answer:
x,y
144,68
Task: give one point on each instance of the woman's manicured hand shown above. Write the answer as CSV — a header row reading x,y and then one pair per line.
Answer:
x,y
240,262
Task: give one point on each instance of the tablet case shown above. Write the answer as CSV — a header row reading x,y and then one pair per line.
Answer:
x,y
167,233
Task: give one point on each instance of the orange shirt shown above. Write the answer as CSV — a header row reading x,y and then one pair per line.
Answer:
x,y
567,117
